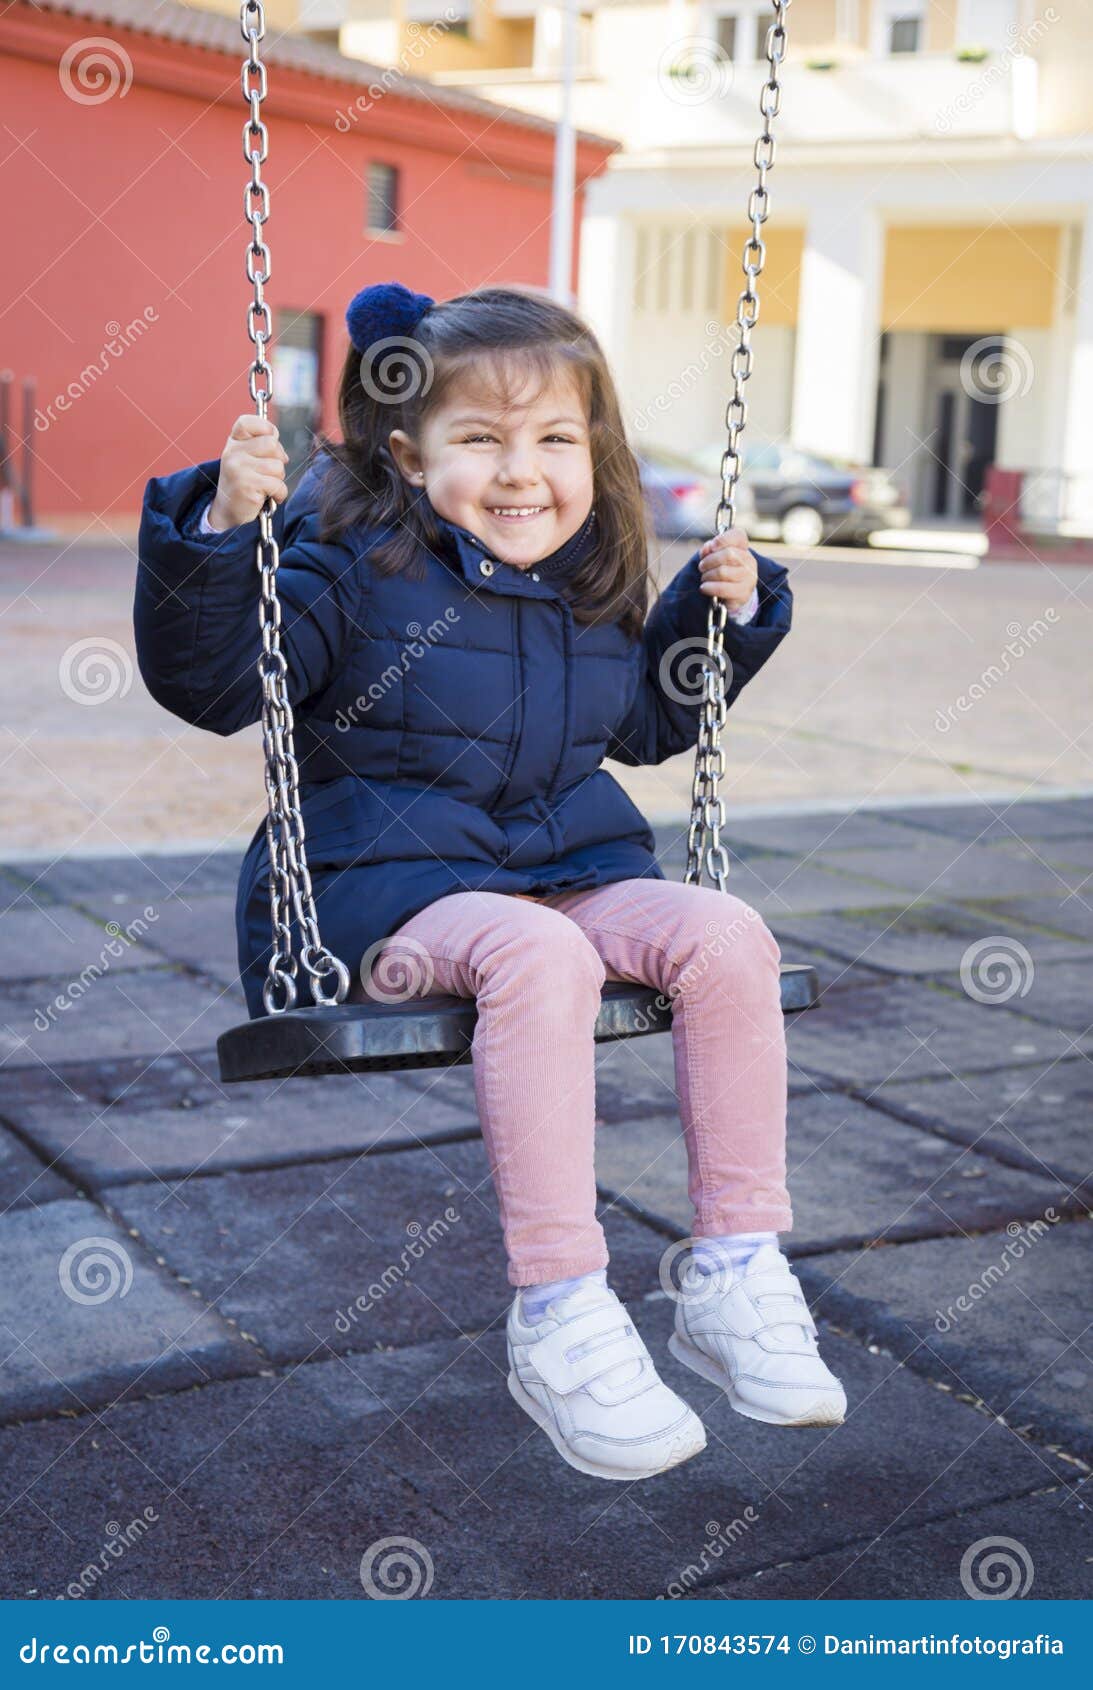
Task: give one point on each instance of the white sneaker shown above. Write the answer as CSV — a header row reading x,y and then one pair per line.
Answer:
x,y
584,1375
752,1334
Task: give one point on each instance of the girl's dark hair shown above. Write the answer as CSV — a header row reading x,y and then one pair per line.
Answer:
x,y
501,338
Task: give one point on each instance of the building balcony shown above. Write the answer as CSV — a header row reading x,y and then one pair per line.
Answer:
x,y
708,102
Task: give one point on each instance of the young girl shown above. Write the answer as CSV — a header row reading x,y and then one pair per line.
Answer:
x,y
464,588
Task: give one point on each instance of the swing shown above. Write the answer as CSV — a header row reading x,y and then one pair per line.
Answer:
x,y
335,1037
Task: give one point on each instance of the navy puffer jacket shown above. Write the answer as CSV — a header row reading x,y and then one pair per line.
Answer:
x,y
449,730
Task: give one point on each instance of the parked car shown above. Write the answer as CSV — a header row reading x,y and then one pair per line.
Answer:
x,y
803,499
682,495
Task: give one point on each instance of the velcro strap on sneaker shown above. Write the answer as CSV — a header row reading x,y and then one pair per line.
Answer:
x,y
780,1304
736,1308
563,1373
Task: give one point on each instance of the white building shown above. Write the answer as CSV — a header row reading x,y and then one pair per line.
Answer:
x,y
927,294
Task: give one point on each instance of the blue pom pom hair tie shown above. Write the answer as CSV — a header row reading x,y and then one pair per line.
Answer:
x,y
381,321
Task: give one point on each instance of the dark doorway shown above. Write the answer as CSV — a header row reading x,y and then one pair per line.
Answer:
x,y
965,420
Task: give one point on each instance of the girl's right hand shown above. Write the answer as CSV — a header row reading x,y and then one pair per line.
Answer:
x,y
252,469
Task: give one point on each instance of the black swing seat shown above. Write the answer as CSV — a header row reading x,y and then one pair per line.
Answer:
x,y
435,1032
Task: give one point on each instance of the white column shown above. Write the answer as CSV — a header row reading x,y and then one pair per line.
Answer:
x,y
835,378
606,287
1077,440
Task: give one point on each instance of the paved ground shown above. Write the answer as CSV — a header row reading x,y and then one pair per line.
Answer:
x,y
194,1401
923,674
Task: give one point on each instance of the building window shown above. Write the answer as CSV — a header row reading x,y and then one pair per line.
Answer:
x,y
726,35
382,214
741,35
904,34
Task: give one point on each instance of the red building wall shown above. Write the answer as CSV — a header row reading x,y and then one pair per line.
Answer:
x,y
125,242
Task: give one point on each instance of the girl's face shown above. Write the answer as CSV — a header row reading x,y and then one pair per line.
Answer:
x,y
516,472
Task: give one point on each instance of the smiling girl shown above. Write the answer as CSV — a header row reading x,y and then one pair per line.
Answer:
x,y
463,835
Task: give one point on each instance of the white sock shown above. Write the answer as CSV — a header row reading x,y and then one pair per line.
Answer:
x,y
728,1249
534,1298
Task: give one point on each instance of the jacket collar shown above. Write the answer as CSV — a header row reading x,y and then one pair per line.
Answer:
x,y
482,567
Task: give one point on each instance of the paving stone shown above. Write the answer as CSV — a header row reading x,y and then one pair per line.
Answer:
x,y
109,884
198,931
471,1453
923,938
80,1329
1073,852
1058,993
776,886
1072,915
776,883
287,1252
25,1179
1053,1527
953,870
54,940
833,974
853,1174
1005,1315
47,1022
1036,1118
990,824
258,1490
904,1029
168,1118
821,831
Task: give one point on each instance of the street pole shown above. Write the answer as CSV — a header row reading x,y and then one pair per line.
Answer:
x,y
565,160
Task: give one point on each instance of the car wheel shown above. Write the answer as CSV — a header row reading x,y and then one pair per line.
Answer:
x,y
802,526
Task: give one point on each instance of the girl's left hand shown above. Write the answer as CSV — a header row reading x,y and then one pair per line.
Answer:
x,y
728,568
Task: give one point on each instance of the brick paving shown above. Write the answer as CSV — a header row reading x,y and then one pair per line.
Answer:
x,y
182,1264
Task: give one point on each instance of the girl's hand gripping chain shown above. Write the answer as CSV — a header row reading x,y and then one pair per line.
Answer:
x,y
728,568
252,468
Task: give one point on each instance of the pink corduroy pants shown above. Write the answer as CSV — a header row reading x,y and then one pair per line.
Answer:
x,y
535,967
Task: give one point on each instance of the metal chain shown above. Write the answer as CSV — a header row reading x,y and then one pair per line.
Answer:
x,y
290,889
704,845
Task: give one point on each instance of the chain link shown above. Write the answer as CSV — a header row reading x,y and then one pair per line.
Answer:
x,y
290,888
705,849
